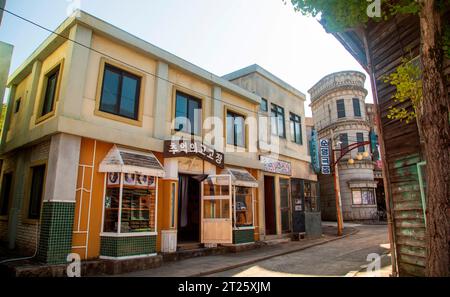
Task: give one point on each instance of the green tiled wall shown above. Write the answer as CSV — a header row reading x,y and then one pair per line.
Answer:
x,y
127,246
243,236
55,241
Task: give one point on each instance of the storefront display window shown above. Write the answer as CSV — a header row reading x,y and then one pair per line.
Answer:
x,y
363,196
311,192
134,198
244,206
216,198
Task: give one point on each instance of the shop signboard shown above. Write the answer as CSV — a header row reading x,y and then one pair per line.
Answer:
x,y
189,148
276,166
314,152
325,156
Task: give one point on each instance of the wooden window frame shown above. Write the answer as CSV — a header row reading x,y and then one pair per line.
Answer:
x,y
354,101
27,196
59,66
296,119
276,109
5,217
267,105
17,105
340,116
194,95
233,111
98,97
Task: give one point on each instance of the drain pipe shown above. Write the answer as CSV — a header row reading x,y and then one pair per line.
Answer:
x,y
13,243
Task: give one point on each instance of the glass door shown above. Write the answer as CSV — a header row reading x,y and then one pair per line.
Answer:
x,y
285,205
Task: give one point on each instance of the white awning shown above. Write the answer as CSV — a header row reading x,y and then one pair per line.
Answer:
x,y
241,177
125,160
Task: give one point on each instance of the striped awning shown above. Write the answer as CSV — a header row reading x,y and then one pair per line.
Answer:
x,y
125,160
241,177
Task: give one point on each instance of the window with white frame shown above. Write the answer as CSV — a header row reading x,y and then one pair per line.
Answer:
x,y
130,203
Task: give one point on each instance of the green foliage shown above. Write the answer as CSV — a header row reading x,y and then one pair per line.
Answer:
x,y
407,80
340,15
336,15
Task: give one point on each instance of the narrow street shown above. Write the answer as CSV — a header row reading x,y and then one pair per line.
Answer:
x,y
326,256
342,257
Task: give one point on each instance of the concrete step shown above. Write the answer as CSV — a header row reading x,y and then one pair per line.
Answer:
x,y
276,241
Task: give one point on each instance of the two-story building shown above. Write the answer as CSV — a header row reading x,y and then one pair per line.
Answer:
x,y
115,148
289,199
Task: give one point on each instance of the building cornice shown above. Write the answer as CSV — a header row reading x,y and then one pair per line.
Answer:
x,y
106,29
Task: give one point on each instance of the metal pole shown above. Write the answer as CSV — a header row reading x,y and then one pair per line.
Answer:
x,y
337,190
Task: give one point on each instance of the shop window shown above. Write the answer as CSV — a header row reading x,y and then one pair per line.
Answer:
x,y
5,193
244,206
356,107
51,88
340,108
277,121
296,128
359,139
120,93
130,202
36,191
311,193
235,129
264,107
284,205
216,198
188,114
363,196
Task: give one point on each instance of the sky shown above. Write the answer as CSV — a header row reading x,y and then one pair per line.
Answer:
x,y
219,36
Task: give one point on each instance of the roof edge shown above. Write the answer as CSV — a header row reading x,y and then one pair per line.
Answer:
x,y
258,69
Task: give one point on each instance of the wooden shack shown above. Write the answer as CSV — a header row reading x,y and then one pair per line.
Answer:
x,y
379,48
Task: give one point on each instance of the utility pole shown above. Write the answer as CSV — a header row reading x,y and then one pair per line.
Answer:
x,y
337,189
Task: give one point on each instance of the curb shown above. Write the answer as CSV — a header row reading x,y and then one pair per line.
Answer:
x,y
221,269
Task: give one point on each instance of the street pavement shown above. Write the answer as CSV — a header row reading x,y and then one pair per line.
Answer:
x,y
325,256
344,257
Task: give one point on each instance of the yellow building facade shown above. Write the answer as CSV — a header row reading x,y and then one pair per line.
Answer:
x,y
113,148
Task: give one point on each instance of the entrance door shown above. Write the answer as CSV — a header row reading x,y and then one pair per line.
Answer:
x,y
285,209
216,212
188,209
269,202
298,203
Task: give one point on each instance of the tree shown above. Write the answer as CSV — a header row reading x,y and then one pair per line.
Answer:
x,y
431,111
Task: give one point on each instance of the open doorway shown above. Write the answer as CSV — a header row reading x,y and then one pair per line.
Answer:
x,y
269,201
189,208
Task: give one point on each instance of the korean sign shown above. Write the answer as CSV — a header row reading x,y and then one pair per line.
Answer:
x,y
187,148
325,156
276,166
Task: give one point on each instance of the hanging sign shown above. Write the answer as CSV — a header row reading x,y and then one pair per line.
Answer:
x,y
315,162
188,148
325,156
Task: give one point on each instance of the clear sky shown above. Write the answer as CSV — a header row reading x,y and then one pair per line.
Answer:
x,y
218,35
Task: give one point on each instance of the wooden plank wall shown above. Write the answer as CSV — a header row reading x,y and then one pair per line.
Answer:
x,y
388,43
